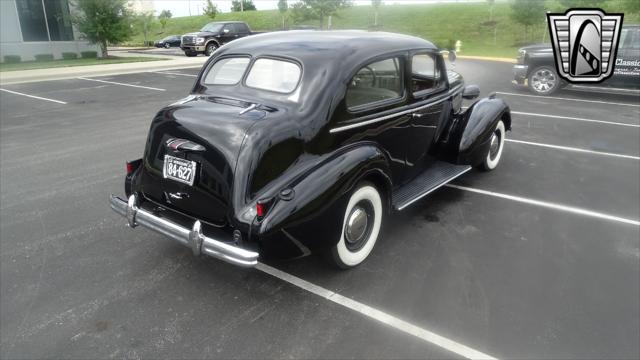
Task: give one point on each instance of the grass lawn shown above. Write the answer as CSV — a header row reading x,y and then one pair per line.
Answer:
x,y
439,23
29,65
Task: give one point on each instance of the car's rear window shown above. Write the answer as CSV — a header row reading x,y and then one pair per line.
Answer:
x,y
274,75
228,71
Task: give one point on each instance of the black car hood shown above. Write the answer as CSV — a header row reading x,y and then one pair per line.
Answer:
x,y
202,34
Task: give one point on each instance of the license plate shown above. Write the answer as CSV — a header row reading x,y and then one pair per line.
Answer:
x,y
178,169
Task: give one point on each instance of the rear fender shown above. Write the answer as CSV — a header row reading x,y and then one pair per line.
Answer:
x,y
475,127
314,214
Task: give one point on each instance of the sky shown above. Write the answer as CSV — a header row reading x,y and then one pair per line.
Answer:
x,y
194,7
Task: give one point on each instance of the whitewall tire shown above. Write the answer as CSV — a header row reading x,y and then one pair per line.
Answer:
x,y
360,228
492,159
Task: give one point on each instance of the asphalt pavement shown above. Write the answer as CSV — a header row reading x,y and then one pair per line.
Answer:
x,y
537,259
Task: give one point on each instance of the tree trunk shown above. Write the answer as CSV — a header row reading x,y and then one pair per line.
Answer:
x,y
321,22
375,18
103,50
282,22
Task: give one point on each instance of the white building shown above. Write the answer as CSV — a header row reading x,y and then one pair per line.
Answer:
x,y
32,27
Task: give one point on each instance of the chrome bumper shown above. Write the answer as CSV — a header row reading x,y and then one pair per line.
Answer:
x,y
192,238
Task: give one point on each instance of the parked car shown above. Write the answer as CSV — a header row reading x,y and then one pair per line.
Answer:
x,y
213,35
169,41
536,68
303,142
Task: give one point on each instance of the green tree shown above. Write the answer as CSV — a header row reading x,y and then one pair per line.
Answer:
x,y
242,5
376,7
283,7
528,13
211,10
317,9
144,22
164,16
103,22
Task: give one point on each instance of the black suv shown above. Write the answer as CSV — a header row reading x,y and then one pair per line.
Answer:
x,y
212,36
536,67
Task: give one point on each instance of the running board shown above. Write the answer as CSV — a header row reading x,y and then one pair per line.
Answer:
x,y
435,176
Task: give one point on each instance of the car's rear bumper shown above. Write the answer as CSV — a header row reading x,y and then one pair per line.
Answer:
x,y
192,238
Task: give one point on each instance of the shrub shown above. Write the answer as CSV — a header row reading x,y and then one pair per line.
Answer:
x,y
12,59
69,55
44,57
89,54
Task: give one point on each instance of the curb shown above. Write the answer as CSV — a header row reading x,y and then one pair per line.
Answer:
x,y
52,74
488,58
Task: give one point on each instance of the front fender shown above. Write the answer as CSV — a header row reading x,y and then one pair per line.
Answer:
x,y
314,215
477,125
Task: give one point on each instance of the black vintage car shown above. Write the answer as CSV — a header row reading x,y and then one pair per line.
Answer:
x,y
536,69
169,41
303,141
212,36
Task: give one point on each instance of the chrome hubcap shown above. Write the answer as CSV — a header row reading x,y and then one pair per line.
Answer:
x,y
359,225
543,80
495,145
356,225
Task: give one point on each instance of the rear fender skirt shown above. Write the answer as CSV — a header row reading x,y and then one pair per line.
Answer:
x,y
314,214
473,128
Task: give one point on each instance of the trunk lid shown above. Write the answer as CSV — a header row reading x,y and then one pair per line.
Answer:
x,y
218,126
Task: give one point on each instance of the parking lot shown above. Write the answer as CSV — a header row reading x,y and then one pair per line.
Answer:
x,y
538,259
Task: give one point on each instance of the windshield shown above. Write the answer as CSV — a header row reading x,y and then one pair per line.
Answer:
x,y
212,27
169,38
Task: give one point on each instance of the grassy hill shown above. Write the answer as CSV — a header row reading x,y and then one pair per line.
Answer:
x,y
439,23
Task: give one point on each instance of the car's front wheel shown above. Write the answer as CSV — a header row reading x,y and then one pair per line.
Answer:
x,y
496,146
211,47
360,227
544,80
167,45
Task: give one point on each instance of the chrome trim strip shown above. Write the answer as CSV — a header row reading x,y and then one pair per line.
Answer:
x,y
404,112
433,189
193,238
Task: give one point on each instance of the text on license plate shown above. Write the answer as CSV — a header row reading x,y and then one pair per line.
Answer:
x,y
179,169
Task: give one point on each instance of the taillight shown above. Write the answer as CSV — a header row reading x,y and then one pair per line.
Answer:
x,y
133,165
260,210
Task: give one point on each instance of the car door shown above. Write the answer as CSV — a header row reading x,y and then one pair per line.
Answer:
x,y
626,74
228,33
429,99
375,111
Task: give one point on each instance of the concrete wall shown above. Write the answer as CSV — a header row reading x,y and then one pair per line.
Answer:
x,y
11,39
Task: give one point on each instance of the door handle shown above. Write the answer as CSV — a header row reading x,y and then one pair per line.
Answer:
x,y
417,116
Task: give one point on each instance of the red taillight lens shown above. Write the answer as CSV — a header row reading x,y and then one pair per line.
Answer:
x,y
130,168
259,210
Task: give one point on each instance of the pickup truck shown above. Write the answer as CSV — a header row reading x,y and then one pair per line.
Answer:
x,y
535,68
212,36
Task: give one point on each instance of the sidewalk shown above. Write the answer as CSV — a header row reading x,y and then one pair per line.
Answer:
x,y
26,76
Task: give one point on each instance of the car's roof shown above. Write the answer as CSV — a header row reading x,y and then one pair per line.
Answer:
x,y
335,51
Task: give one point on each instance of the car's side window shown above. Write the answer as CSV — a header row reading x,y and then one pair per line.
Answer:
x,y
425,74
375,82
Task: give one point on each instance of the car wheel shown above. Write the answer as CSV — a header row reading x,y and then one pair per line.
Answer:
x,y
167,45
211,47
191,53
544,80
361,227
496,146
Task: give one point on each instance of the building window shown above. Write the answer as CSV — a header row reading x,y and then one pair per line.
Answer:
x,y
32,23
59,20
34,16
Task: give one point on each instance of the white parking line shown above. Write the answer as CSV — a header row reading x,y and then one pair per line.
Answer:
x,y
173,73
375,314
570,99
34,97
576,119
549,205
573,149
123,84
